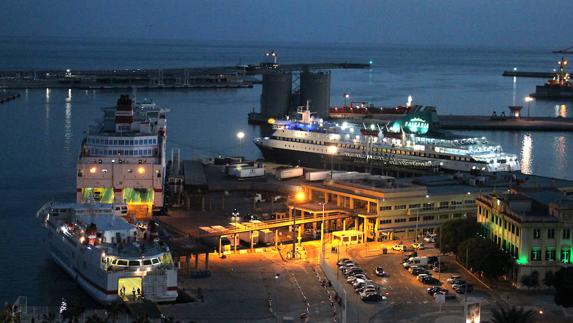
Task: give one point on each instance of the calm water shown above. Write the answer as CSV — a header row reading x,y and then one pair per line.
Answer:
x,y
42,130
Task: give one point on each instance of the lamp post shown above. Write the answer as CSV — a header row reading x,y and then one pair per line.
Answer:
x,y
528,99
272,54
346,97
300,196
331,150
240,136
322,233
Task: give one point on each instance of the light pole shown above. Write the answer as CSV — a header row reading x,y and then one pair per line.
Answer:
x,y
331,150
322,233
346,97
300,196
528,99
240,136
272,54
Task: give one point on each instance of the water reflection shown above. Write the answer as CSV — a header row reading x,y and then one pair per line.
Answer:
x,y
527,154
68,127
560,148
69,97
561,110
48,91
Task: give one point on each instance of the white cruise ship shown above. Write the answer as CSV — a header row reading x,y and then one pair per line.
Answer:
x,y
110,258
414,141
122,158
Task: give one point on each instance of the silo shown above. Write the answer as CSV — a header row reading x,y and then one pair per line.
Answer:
x,y
315,86
275,96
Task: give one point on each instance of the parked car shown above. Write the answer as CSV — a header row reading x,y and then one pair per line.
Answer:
x,y
422,276
463,288
418,246
453,278
458,282
371,298
436,289
343,261
399,247
352,278
417,271
353,271
379,271
429,280
368,290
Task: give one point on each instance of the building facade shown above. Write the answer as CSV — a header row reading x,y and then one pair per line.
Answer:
x,y
387,208
532,224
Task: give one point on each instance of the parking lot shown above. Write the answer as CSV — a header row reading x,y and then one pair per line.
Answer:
x,y
405,296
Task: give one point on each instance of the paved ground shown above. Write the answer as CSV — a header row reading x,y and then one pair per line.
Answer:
x,y
246,288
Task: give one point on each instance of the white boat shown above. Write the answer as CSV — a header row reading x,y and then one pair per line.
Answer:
x,y
414,141
110,258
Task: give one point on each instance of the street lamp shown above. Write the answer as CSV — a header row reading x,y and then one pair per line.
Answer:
x,y
528,99
240,136
299,196
331,150
346,96
322,232
272,54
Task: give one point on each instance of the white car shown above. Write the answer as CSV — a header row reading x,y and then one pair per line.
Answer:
x,y
453,278
418,246
430,239
421,276
399,247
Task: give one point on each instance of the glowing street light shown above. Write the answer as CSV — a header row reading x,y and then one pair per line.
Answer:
x,y
528,99
346,97
300,197
272,54
240,136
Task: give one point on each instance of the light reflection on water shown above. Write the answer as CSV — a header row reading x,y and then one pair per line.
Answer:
x,y
560,149
527,154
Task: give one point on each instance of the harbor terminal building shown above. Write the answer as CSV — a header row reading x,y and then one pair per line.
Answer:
x,y
533,222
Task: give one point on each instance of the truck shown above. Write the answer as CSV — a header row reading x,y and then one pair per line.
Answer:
x,y
266,237
317,175
417,261
246,170
282,173
246,237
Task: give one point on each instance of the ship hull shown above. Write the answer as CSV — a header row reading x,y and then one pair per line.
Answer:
x,y
552,92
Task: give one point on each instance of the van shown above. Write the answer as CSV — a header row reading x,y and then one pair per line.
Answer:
x,y
418,261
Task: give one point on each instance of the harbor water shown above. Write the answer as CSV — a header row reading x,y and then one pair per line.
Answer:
x,y
42,129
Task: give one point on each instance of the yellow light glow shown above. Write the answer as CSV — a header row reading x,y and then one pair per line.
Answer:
x,y
300,196
332,150
82,239
141,170
271,121
93,170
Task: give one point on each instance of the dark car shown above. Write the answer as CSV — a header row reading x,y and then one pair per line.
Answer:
x,y
436,289
461,289
379,271
417,271
343,261
430,280
371,298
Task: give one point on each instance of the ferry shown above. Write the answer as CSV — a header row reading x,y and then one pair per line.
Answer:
x,y
122,158
559,86
413,141
109,257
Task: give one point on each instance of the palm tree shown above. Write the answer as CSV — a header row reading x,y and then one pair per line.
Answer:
x,y
513,314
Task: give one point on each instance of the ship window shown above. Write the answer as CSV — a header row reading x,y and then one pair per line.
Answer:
x,y
133,263
155,261
147,262
122,262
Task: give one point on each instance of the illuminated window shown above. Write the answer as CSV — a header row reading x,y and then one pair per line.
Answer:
x,y
536,254
550,254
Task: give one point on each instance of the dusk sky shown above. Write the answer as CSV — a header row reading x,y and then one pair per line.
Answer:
x,y
524,23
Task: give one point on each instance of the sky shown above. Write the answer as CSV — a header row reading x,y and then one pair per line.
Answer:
x,y
497,23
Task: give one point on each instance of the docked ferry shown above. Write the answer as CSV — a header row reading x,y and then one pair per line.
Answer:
x,y
122,158
413,141
364,110
560,86
109,257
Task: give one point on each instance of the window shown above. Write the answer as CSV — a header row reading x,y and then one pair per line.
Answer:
x,y
386,208
412,219
536,233
386,221
155,261
133,263
400,207
550,233
536,254
400,220
414,206
428,218
550,254
566,233
565,255
147,262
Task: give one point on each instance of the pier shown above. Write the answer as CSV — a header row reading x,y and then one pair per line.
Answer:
x,y
241,76
542,75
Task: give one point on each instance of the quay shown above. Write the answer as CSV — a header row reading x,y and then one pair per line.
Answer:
x,y
241,76
543,75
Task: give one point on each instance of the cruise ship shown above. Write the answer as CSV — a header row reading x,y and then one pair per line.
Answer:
x,y
110,258
122,158
413,141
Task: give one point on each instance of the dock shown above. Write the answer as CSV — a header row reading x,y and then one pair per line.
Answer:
x,y
542,75
240,76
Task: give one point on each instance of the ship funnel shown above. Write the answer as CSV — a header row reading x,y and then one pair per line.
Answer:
x,y
123,114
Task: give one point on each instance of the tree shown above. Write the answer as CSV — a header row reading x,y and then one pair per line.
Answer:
x,y
9,314
531,280
513,314
454,232
563,283
483,257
